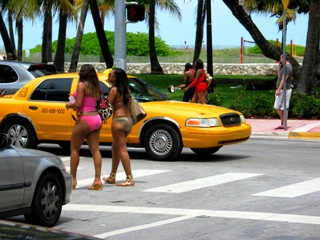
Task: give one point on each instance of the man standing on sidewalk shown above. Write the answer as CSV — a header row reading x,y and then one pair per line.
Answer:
x,y
279,104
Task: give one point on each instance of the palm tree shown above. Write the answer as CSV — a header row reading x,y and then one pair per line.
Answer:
x,y
107,8
201,15
5,36
100,33
174,10
268,49
46,55
155,65
305,75
77,45
66,11
17,10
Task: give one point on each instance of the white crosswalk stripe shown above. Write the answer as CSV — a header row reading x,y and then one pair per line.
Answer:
x,y
185,214
203,182
122,176
290,191
294,190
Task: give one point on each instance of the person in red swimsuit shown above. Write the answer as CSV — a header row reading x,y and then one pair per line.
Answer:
x,y
199,82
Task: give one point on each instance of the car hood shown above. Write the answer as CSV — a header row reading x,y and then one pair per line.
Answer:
x,y
186,109
26,152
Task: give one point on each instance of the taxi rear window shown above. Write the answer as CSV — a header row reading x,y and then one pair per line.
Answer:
x,y
38,70
53,90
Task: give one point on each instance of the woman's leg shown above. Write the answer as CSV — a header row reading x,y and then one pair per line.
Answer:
x,y
202,97
93,139
119,147
78,135
195,97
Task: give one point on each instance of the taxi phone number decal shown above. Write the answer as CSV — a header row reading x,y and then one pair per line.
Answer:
x,y
53,110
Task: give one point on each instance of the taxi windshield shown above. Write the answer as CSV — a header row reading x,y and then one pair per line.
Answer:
x,y
144,92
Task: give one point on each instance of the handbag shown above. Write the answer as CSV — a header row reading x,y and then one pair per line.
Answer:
x,y
209,79
104,107
137,111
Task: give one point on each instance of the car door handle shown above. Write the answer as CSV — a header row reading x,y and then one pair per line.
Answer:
x,y
33,107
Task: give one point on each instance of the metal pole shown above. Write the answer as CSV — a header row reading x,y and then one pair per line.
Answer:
x,y
209,45
120,48
284,71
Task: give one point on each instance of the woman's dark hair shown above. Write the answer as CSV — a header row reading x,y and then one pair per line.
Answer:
x,y
122,84
89,75
198,64
187,66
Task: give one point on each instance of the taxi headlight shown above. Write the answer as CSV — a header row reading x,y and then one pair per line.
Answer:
x,y
202,122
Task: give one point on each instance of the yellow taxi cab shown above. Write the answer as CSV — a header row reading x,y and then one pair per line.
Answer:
x,y
36,114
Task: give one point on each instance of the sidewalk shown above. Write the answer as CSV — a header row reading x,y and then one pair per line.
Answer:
x,y
302,129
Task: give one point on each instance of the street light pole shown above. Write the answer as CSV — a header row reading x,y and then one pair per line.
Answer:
x,y
120,47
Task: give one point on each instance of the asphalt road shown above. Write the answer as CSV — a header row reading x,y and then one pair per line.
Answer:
x,y
261,189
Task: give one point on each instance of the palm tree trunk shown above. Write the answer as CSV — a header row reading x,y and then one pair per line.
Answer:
x,y
46,40
201,15
77,44
102,21
155,65
19,23
307,75
59,57
5,37
269,50
11,32
101,34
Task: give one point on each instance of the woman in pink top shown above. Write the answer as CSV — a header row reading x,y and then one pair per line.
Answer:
x,y
199,82
88,123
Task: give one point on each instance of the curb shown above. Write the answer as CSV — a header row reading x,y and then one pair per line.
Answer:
x,y
305,135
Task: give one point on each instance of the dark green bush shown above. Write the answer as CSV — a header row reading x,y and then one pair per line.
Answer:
x,y
296,49
214,99
306,106
137,45
257,105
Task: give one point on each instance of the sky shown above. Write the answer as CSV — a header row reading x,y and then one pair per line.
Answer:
x,y
226,29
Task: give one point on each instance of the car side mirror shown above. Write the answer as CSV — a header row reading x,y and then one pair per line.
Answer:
x,y
5,140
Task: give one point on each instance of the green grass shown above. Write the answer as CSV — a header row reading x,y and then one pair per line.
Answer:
x,y
231,92
227,92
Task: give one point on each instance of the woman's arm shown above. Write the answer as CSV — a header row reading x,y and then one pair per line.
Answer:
x,y
79,98
197,79
112,95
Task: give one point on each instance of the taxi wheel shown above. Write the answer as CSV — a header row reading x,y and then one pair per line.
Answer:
x,y
21,134
162,142
205,151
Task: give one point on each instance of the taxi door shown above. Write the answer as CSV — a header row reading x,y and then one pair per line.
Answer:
x,y
47,109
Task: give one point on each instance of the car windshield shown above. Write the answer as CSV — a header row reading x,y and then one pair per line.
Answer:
x,y
144,92
38,70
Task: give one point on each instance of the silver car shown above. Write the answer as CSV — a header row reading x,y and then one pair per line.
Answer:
x,y
15,74
32,183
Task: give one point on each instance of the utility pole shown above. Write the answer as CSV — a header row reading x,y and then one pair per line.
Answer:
x,y
209,45
285,4
120,45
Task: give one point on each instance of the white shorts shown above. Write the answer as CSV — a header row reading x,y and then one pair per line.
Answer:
x,y
278,103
